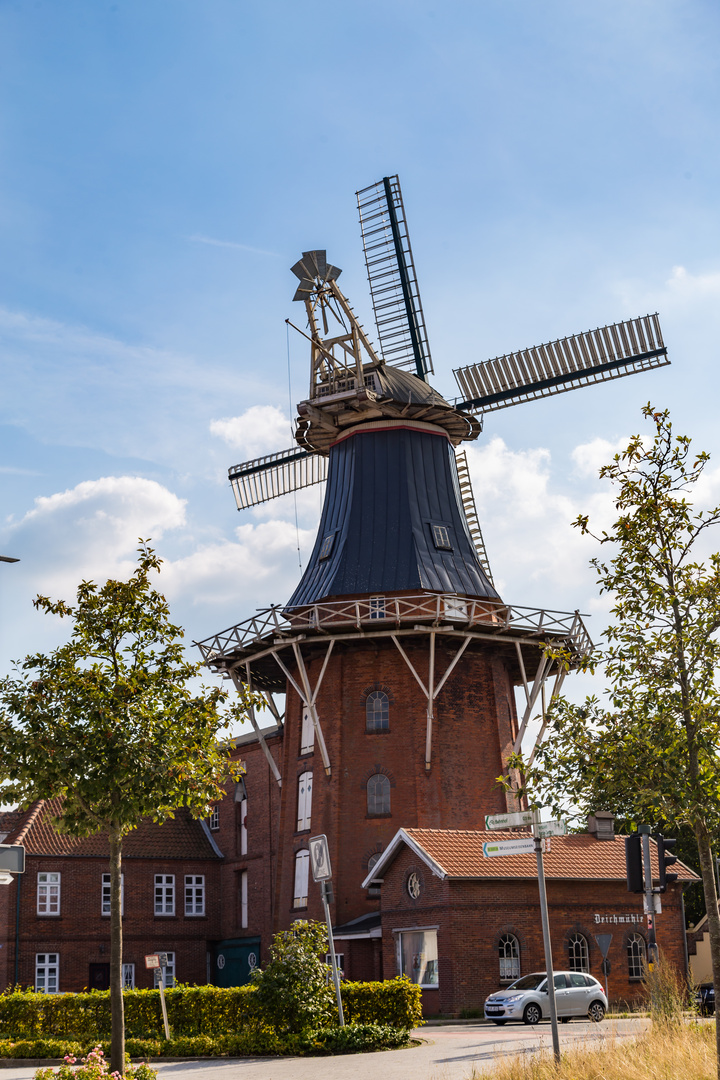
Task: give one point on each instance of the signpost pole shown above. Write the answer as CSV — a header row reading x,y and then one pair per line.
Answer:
x,y
644,830
546,943
161,984
326,887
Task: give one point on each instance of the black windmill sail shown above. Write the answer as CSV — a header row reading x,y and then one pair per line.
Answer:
x,y
399,511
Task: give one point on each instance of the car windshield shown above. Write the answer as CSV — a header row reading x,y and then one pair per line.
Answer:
x,y
528,982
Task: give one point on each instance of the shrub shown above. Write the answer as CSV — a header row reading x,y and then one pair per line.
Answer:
x,y
397,1002
292,992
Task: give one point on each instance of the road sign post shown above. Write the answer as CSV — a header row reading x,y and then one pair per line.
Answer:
x,y
158,962
546,940
322,872
644,831
603,941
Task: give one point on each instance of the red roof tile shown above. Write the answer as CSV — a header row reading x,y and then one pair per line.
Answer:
x,y
179,838
579,856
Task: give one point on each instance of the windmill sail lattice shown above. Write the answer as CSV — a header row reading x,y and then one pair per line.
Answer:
x,y
391,274
610,352
265,478
471,514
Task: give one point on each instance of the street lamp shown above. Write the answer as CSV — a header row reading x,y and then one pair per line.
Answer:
x,y
6,558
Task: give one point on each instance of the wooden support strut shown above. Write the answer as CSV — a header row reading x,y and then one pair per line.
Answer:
x,y
559,680
307,696
251,714
431,691
543,670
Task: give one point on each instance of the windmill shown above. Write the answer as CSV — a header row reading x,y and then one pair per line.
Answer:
x,y
352,381
396,613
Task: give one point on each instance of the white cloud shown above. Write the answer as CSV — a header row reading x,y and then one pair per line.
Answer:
x,y
261,429
590,457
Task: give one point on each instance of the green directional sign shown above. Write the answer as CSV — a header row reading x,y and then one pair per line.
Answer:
x,y
524,846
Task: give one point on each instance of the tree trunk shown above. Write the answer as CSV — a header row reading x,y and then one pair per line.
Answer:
x,y
117,1007
711,904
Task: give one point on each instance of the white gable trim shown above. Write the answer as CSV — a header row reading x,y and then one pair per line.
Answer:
x,y
392,851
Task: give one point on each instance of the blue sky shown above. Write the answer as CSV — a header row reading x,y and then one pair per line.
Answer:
x,y
164,162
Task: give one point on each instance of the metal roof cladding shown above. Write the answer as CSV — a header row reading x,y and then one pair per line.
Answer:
x,y
389,483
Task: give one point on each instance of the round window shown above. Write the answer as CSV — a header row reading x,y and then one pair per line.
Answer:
x,y
221,961
413,886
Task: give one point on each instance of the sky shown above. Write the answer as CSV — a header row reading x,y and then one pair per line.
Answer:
x,y
163,164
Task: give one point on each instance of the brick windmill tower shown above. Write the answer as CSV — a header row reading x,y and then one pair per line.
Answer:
x,y
397,657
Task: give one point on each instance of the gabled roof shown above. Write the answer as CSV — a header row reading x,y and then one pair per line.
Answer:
x,y
179,838
451,853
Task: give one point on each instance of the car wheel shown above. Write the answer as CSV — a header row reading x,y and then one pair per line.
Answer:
x,y
499,1022
532,1014
596,1012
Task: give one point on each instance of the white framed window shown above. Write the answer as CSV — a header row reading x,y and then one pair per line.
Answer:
x,y
48,897
377,711
378,794
418,956
214,819
374,888
578,953
164,894
105,894
304,801
339,960
509,950
47,972
456,608
307,735
302,867
244,899
169,970
243,827
441,537
636,956
194,894
377,607
128,976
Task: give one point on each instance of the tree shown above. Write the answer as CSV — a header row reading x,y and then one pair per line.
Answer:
x,y
293,991
109,723
651,750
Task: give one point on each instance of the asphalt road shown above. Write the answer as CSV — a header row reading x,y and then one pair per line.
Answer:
x,y
447,1053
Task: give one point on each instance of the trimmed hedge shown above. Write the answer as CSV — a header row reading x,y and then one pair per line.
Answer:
x,y
192,1011
355,1038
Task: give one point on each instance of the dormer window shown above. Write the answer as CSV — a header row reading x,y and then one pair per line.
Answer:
x,y
441,537
327,546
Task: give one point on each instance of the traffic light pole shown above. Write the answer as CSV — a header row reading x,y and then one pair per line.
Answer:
x,y
644,831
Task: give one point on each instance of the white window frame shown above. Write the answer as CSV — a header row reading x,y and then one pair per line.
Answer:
x,y
579,953
169,970
164,894
374,799
244,899
47,970
302,874
48,895
105,895
424,959
509,957
304,798
243,827
377,719
214,818
307,734
339,960
377,607
128,976
636,955
194,895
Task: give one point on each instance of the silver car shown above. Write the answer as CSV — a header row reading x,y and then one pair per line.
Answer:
x,y
526,1000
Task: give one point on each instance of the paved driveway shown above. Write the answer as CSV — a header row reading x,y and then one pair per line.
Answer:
x,y
448,1053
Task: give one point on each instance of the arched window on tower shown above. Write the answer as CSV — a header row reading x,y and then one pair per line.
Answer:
x,y
373,890
509,949
378,795
377,711
636,956
578,953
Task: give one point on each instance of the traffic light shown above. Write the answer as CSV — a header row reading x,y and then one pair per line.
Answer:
x,y
665,858
634,864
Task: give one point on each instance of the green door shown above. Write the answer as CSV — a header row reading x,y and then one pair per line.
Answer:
x,y
235,959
